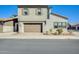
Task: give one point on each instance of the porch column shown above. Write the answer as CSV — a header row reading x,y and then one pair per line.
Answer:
x,y
21,27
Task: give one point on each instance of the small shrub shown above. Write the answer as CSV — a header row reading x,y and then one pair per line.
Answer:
x,y
59,31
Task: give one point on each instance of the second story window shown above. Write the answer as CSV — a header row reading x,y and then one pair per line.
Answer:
x,y
25,11
38,11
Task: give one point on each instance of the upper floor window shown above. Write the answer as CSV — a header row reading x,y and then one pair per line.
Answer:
x,y
38,11
25,11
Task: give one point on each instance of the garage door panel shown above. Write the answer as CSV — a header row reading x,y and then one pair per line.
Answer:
x,y
32,27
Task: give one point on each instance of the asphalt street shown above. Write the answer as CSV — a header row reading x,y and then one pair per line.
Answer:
x,y
33,46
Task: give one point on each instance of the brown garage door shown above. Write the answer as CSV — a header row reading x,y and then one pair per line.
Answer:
x,y
32,27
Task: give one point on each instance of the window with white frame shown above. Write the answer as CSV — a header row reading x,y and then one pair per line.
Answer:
x,y
64,24
60,25
55,25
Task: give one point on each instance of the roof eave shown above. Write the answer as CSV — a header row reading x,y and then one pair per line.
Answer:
x,y
59,15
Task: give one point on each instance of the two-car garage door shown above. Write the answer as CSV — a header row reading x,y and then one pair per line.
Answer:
x,y
32,27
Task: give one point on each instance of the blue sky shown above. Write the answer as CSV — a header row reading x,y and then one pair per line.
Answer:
x,y
70,11
7,10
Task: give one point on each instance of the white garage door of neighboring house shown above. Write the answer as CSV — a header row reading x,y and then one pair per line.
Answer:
x,y
32,27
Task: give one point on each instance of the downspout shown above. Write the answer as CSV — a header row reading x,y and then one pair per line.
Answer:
x,y
48,14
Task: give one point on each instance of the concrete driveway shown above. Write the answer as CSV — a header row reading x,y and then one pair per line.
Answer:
x,y
34,46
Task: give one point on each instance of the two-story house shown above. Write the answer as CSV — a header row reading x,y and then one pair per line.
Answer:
x,y
38,18
32,18
35,19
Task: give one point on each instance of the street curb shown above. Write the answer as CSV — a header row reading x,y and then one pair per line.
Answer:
x,y
64,38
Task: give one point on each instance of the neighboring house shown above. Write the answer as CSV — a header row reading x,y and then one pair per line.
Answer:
x,y
8,25
77,26
74,27
38,18
1,25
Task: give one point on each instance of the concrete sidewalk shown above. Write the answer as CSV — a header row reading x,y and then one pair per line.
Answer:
x,y
35,36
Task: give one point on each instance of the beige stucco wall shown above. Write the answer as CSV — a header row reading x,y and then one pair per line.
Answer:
x,y
8,27
53,18
48,25
21,27
20,11
32,16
